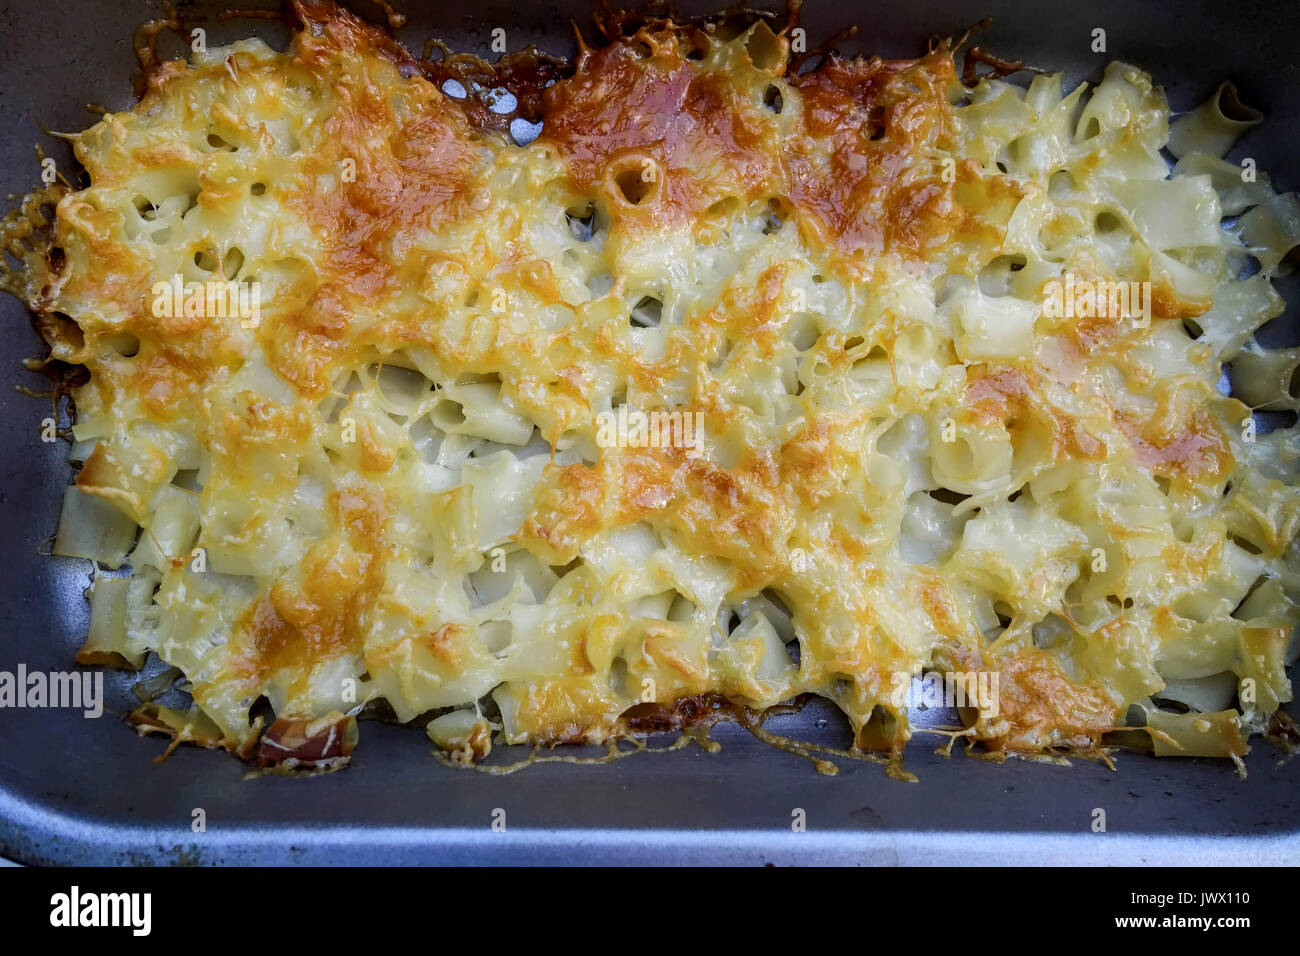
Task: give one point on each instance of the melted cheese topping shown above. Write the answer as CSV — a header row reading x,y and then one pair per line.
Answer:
x,y
390,485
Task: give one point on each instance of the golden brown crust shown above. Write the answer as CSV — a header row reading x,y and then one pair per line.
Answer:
x,y
1040,708
405,231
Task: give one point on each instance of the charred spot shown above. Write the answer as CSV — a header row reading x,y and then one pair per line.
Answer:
x,y
682,714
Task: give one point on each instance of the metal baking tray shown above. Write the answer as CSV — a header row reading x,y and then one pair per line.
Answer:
x,y
76,790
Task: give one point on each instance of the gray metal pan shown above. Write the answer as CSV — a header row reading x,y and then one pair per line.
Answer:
x,y
86,791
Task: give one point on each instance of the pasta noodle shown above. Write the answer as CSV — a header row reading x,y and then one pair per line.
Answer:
x,y
955,354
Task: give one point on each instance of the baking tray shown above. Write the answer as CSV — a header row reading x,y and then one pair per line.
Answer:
x,y
74,790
